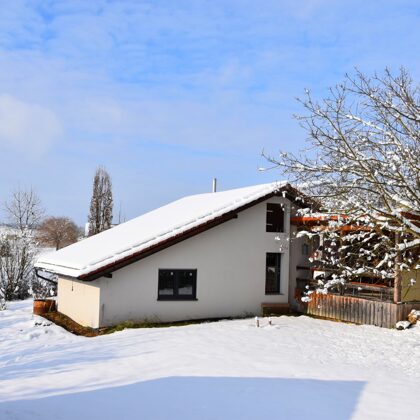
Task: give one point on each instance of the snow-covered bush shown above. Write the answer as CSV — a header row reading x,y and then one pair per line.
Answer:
x,y
16,265
18,252
19,248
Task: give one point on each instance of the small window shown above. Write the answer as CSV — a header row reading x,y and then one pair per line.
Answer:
x,y
305,249
177,284
275,218
272,273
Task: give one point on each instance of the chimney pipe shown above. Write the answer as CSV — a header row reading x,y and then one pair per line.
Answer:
x,y
214,185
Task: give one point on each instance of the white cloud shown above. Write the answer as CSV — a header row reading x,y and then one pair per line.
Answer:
x,y
27,127
150,88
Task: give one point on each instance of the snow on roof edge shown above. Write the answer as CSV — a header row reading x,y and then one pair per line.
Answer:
x,y
132,249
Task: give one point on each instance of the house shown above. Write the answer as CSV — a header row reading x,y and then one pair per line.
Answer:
x,y
209,255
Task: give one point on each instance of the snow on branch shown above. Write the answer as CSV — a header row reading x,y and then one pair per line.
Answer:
x,y
363,162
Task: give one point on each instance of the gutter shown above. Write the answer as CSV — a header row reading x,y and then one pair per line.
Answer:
x,y
42,277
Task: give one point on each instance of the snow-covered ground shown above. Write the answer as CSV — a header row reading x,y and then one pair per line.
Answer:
x,y
297,368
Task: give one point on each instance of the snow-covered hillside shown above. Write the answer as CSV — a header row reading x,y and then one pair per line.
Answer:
x,y
298,368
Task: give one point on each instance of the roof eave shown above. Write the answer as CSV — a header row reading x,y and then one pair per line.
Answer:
x,y
286,191
233,214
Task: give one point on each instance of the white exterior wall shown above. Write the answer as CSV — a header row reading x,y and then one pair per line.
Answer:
x,y
297,259
230,260
80,301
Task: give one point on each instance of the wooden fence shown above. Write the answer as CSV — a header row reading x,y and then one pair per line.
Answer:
x,y
357,310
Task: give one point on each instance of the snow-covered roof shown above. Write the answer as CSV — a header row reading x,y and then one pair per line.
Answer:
x,y
8,230
131,238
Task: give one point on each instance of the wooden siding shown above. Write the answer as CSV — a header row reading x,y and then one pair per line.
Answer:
x,y
357,310
410,292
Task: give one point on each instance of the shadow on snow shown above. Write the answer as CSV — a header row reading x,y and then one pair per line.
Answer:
x,y
192,398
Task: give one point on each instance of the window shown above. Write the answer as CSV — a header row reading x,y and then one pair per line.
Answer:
x,y
177,284
305,249
272,273
275,218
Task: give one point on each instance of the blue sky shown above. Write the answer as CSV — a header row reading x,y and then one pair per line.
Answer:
x,y
168,94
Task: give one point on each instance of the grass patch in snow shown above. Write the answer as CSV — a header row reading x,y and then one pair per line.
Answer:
x,y
149,324
72,326
156,324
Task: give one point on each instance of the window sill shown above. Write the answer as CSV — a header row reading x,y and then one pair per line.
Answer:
x,y
177,299
274,294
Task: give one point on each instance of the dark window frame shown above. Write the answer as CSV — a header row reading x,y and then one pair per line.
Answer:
x,y
277,273
272,223
176,295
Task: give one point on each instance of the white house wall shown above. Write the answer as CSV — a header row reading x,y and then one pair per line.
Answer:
x,y
297,259
80,301
230,260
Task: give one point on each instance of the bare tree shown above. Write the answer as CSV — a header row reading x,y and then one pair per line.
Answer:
x,y
101,205
57,232
364,163
18,247
24,209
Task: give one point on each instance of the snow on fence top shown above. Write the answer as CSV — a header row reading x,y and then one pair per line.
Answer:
x,y
150,229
